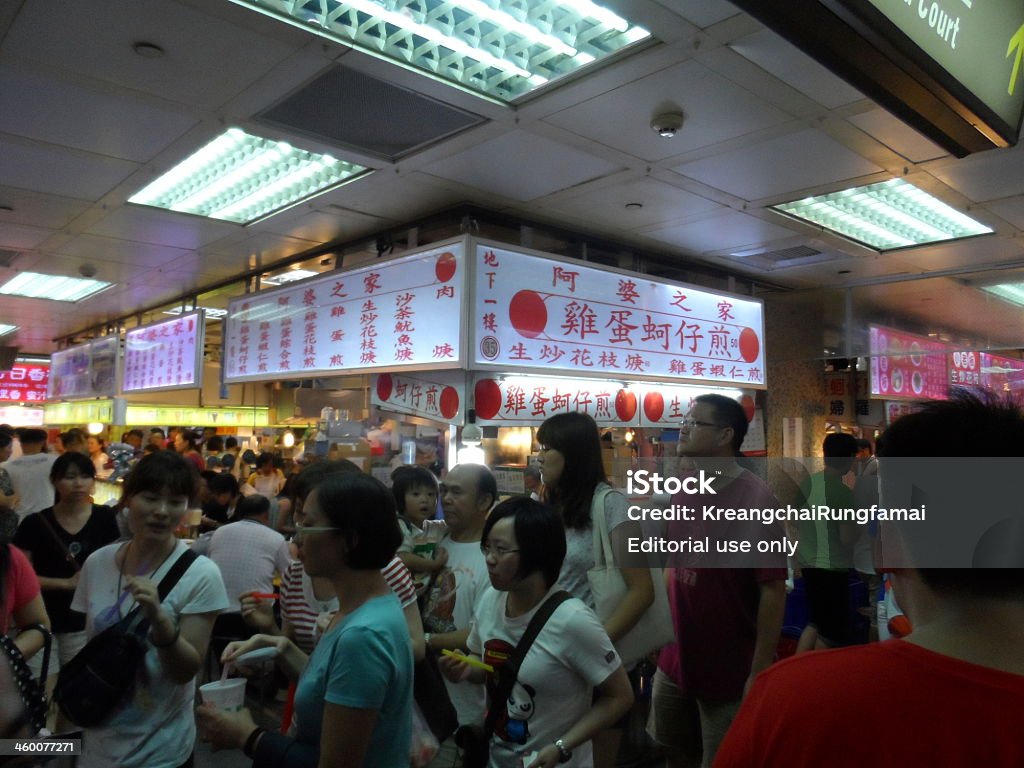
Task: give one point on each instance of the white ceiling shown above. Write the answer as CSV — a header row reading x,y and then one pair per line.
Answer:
x,y
85,122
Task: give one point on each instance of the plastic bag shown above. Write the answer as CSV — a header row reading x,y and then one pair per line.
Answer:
x,y
423,747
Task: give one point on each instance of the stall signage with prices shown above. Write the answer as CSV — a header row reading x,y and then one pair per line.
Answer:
x,y
167,355
510,480
405,313
85,370
439,396
529,400
536,312
965,369
894,411
24,383
199,417
904,365
82,413
17,416
1003,375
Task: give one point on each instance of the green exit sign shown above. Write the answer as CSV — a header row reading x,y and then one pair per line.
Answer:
x,y
949,68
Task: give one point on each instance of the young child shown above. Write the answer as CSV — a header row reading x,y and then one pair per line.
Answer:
x,y
415,490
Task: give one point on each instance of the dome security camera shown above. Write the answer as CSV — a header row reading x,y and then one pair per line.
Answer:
x,y
667,124
87,270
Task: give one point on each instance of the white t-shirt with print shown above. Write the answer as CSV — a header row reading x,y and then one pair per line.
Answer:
x,y
450,607
157,729
579,546
571,655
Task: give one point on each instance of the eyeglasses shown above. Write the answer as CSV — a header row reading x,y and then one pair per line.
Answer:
x,y
689,423
498,552
302,530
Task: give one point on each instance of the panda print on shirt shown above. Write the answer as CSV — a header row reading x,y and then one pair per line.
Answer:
x,y
520,709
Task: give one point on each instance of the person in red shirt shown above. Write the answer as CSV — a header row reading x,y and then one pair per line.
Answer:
x,y
952,692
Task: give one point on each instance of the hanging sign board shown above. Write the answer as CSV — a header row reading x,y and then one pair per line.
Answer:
x,y
85,370
167,355
403,314
24,383
437,395
536,312
904,365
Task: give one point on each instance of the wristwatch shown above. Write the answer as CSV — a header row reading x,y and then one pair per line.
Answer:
x,y
426,639
564,755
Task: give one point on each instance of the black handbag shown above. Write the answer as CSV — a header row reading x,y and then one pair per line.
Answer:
x,y
475,740
31,692
431,696
100,679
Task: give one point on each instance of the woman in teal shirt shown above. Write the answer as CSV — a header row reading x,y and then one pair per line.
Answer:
x,y
353,704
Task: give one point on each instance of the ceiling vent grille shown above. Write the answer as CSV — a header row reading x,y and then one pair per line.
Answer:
x,y
350,109
782,258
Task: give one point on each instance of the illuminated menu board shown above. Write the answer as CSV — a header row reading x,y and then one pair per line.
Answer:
x,y
400,314
24,383
1003,375
167,355
85,370
904,365
534,312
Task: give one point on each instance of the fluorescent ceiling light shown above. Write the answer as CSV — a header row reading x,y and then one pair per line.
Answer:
x,y
53,287
500,48
884,216
241,178
5,329
288,277
1012,292
210,312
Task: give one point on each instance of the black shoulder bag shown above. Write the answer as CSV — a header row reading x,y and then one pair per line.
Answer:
x,y
31,692
100,679
476,741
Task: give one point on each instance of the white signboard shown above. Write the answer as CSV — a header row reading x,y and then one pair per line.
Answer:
x,y
405,313
167,355
85,370
18,416
439,395
541,313
529,400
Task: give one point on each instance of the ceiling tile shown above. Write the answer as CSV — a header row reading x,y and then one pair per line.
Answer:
x,y
793,162
142,224
897,136
90,247
791,65
64,173
522,166
715,110
320,226
1011,209
607,205
39,210
261,249
703,13
39,106
199,48
731,230
18,236
986,175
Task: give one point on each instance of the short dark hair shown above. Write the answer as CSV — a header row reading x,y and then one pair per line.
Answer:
x,y
728,413
231,442
839,449
6,439
265,458
163,470
222,482
252,506
33,436
157,431
540,535
985,425
575,436
404,479
215,443
189,437
863,444
486,484
312,475
69,460
363,510
135,433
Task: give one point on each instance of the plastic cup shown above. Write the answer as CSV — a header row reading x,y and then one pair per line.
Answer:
x,y
225,695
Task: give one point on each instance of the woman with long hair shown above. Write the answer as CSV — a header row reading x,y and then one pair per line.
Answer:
x,y
577,487
156,728
353,702
58,540
571,684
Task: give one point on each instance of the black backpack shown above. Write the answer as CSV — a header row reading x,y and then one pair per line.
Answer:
x,y
100,679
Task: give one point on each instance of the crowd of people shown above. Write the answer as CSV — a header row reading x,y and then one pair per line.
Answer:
x,y
377,581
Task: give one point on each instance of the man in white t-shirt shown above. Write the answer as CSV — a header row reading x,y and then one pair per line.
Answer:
x,y
467,494
30,474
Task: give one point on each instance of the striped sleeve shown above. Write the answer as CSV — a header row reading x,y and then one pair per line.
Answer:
x,y
400,581
294,608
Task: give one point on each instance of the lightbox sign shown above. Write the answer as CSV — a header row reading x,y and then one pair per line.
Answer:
x,y
24,383
437,395
163,356
400,314
540,313
86,370
907,366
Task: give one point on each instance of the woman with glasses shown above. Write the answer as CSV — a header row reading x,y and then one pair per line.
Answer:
x,y
577,487
571,684
156,728
353,703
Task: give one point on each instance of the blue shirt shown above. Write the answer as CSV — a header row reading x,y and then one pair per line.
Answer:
x,y
364,662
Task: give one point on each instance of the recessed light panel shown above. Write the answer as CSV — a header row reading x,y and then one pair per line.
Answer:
x,y
210,312
1012,292
34,285
891,214
501,48
288,277
5,329
241,178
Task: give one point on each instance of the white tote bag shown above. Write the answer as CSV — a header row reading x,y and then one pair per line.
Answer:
x,y
654,629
